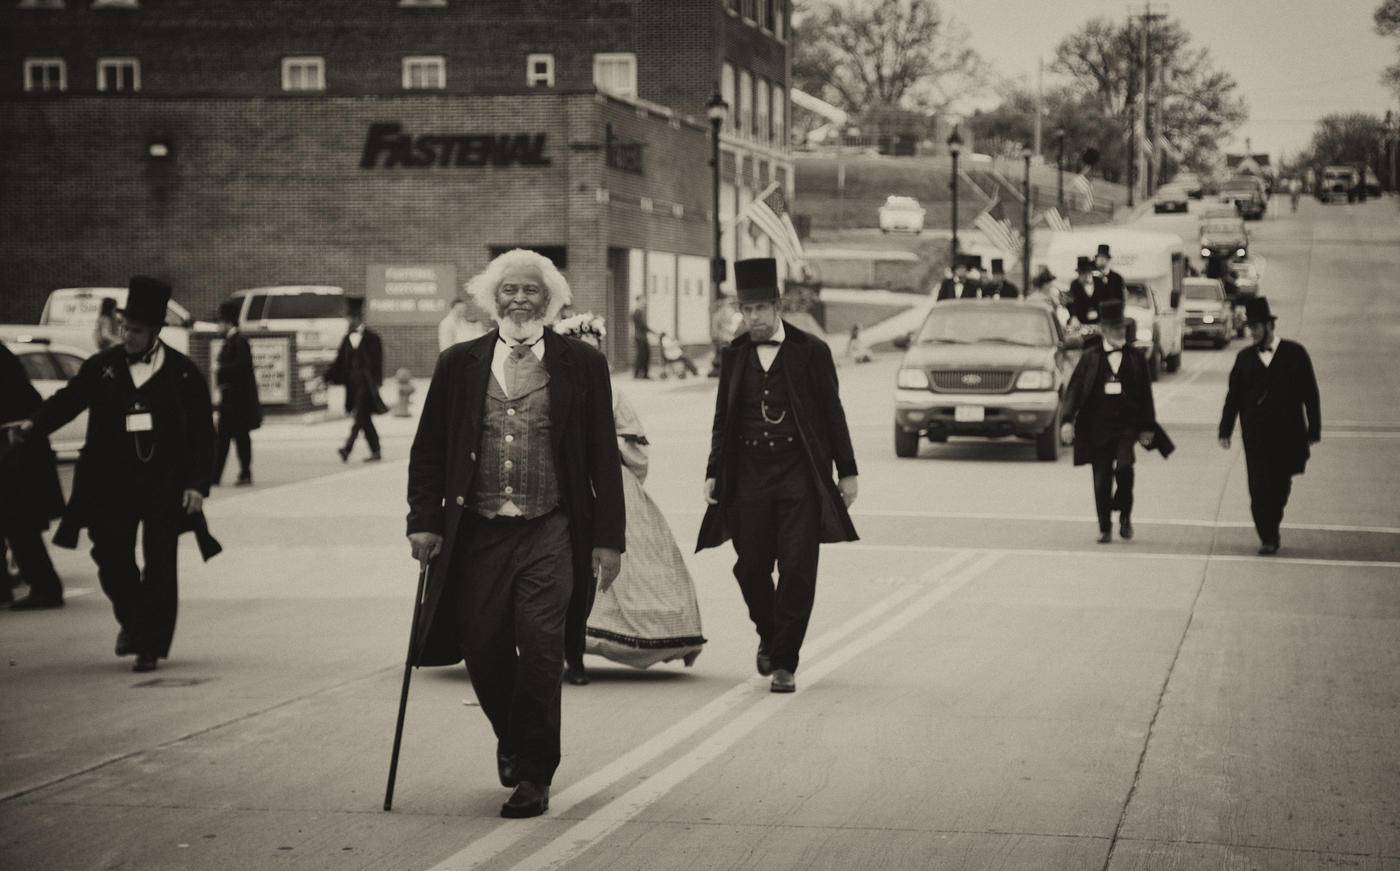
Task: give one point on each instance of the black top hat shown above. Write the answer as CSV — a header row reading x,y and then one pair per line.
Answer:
x,y
1043,277
1103,252
1084,264
997,264
354,306
230,309
969,261
1111,313
756,279
146,300
1256,310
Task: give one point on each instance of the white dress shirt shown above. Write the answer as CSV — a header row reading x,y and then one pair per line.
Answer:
x,y
355,335
767,353
503,346
141,371
1266,352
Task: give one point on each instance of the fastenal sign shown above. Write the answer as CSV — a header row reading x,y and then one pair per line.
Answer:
x,y
408,293
387,146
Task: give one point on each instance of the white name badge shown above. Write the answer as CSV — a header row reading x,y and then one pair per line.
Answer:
x,y
1113,388
139,422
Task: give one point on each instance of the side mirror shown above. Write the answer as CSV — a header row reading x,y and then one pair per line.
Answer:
x,y
902,341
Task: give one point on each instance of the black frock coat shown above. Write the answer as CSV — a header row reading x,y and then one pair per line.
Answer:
x,y
947,290
1278,406
1085,388
443,460
30,495
821,424
239,408
361,370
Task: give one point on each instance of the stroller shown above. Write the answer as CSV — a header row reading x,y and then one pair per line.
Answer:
x,y
674,360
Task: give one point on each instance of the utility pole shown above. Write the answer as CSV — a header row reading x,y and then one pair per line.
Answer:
x,y
1151,133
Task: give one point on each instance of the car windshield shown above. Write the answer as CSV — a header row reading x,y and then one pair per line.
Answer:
x,y
304,305
1201,291
1221,228
1239,188
1136,295
987,324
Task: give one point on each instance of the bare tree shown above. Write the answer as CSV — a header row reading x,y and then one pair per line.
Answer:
x,y
1388,24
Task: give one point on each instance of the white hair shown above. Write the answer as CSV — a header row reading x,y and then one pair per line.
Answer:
x,y
482,288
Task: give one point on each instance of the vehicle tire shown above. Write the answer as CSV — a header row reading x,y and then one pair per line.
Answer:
x,y
938,438
1173,363
1047,444
1154,363
1222,342
906,444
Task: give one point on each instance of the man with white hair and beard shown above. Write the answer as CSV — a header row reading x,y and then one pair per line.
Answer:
x,y
515,496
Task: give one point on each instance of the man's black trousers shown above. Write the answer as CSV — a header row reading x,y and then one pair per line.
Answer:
x,y
514,581
1113,462
244,444
1268,493
364,422
144,600
775,517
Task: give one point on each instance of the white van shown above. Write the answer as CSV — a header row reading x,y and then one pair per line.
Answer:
x,y
1152,266
315,312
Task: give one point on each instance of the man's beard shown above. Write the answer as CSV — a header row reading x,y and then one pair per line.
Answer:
x,y
519,331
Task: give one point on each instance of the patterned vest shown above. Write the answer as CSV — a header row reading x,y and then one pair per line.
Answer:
x,y
763,399
517,458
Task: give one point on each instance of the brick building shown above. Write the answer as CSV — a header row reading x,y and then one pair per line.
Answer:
x,y
224,144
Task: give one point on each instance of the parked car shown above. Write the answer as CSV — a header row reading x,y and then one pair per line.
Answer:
x,y
1248,195
316,313
49,367
70,313
1160,327
1338,184
1224,238
1209,314
901,214
1171,198
989,368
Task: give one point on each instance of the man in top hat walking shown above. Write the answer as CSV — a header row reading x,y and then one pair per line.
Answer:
x,y
146,462
1107,283
1083,305
359,365
1273,391
998,287
960,285
240,412
1108,409
779,429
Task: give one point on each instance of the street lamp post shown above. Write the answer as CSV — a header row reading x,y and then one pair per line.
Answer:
x,y
955,142
1060,169
716,110
1026,224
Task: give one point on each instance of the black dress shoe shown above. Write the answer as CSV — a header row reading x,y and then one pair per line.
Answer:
x,y
1268,548
783,681
1125,528
763,661
244,480
144,662
36,603
344,453
124,647
530,799
1106,537
508,768
576,674
374,457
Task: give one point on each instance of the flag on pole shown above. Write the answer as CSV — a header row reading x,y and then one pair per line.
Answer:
x,y
997,229
769,213
1080,185
1055,221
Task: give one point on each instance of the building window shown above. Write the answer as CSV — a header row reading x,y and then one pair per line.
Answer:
x,y
115,4
779,19
779,117
420,73
45,74
118,74
726,90
761,109
41,4
539,70
749,10
303,74
616,73
745,104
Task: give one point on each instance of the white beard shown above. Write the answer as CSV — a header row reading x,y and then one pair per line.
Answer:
x,y
516,332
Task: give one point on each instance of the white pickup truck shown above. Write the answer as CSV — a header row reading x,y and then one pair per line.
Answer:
x,y
71,313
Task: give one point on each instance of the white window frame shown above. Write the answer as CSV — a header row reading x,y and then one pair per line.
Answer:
x,y
535,79
745,104
425,62
106,64
605,59
778,113
762,124
726,90
306,64
34,64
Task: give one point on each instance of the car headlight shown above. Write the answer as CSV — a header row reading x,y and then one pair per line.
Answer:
x,y
911,379
1208,319
1205,252
1035,379
1239,252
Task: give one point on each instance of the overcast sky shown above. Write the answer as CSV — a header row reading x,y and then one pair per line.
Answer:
x,y
1294,60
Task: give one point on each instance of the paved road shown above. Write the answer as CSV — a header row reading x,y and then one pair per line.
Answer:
x,y
983,687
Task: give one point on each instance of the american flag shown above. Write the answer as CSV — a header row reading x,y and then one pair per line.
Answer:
x,y
1080,185
1056,221
769,213
993,224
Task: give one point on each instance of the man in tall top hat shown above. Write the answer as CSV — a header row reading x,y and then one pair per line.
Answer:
x,y
1084,298
1107,283
998,287
779,429
146,462
1109,409
359,365
240,412
960,285
1273,391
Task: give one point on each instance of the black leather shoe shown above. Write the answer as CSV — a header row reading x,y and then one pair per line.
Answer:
x,y
783,681
508,767
763,661
124,647
1106,537
1268,548
245,480
374,457
576,674
344,453
1125,528
530,799
36,603
144,663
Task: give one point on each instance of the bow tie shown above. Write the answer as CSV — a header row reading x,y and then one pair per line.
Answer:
x,y
143,357
1264,349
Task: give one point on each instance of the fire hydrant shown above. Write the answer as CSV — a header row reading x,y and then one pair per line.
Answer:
x,y
405,381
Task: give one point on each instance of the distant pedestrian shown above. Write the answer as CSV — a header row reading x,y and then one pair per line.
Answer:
x,y
960,285
1086,294
30,495
1109,410
779,429
641,340
456,327
145,463
515,494
106,332
359,365
856,351
240,412
674,359
997,287
1273,391
1108,284
1295,192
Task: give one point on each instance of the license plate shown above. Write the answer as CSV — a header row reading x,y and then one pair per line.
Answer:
x,y
969,414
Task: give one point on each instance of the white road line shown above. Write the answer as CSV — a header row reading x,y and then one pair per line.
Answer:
x,y
612,816
1127,551
1041,518
506,835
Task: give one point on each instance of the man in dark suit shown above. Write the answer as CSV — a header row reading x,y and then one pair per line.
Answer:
x,y
998,287
30,495
515,494
1083,302
779,429
239,410
1109,409
1107,283
960,285
359,365
1274,393
146,462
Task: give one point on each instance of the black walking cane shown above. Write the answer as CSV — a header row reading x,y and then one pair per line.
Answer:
x,y
407,673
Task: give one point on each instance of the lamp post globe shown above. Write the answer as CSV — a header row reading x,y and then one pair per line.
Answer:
x,y
955,142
